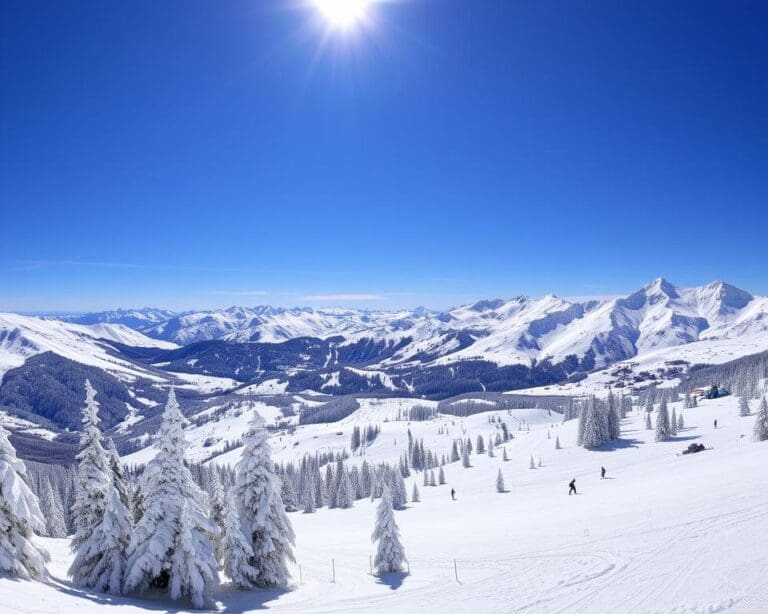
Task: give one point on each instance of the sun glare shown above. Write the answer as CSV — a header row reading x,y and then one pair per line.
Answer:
x,y
342,13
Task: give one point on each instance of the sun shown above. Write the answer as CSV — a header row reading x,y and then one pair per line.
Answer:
x,y
343,13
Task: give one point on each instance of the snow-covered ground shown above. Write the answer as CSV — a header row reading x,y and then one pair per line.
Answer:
x,y
664,533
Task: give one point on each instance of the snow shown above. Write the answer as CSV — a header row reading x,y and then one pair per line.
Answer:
x,y
270,386
664,533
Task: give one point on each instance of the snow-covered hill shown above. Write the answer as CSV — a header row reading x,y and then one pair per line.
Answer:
x,y
663,533
24,336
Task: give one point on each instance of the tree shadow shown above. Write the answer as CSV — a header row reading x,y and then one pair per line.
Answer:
x,y
233,600
393,580
618,444
686,438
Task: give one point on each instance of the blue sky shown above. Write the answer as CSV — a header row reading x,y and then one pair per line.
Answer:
x,y
197,154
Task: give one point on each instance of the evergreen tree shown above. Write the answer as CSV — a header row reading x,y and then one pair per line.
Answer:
x,y
614,423
465,457
761,422
260,507
415,494
118,475
94,482
595,426
239,554
480,445
52,510
532,464
390,555
288,494
441,477
20,516
680,422
557,442
662,422
454,452
648,424
107,547
673,423
583,410
344,493
218,515
744,406
504,455
171,544
500,482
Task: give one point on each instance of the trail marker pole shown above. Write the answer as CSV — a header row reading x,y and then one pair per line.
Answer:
x,y
333,566
456,571
370,564
301,579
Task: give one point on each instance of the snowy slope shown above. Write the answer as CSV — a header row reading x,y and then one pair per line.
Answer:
x,y
25,336
664,533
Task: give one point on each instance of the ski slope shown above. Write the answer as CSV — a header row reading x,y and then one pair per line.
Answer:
x,y
664,533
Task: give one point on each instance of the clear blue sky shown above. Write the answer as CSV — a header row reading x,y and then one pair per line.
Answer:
x,y
196,154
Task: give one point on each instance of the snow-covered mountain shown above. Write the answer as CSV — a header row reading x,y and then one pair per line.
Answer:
x,y
22,337
134,318
504,331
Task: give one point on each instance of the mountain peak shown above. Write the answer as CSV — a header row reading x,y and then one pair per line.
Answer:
x,y
661,286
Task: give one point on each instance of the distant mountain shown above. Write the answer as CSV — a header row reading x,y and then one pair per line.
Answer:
x,y
133,318
505,331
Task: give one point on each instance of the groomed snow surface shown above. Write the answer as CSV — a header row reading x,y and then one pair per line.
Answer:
x,y
663,533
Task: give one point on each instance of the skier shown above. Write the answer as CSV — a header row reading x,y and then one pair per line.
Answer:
x,y
572,487
602,473
715,423
453,494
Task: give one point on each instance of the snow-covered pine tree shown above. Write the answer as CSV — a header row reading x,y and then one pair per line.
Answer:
x,y
218,514
761,422
533,463
52,510
491,453
344,495
441,476
107,546
171,545
432,478
582,425
595,425
465,458
94,480
663,432
680,422
480,447
744,406
504,455
118,474
20,516
455,452
263,518
614,423
673,423
415,498
557,442
500,482
648,423
238,549
390,555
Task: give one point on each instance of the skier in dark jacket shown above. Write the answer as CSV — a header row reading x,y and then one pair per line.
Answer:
x,y
453,494
602,473
715,422
572,487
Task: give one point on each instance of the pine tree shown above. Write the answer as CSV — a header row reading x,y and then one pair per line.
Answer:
x,y
744,406
648,424
673,423
465,457
500,482
595,426
238,550
455,452
480,445
680,422
20,516
614,423
344,493
441,476
504,455
218,515
761,422
171,544
582,424
532,464
390,555
557,442
107,547
94,483
662,422
260,507
415,494
118,475
52,510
